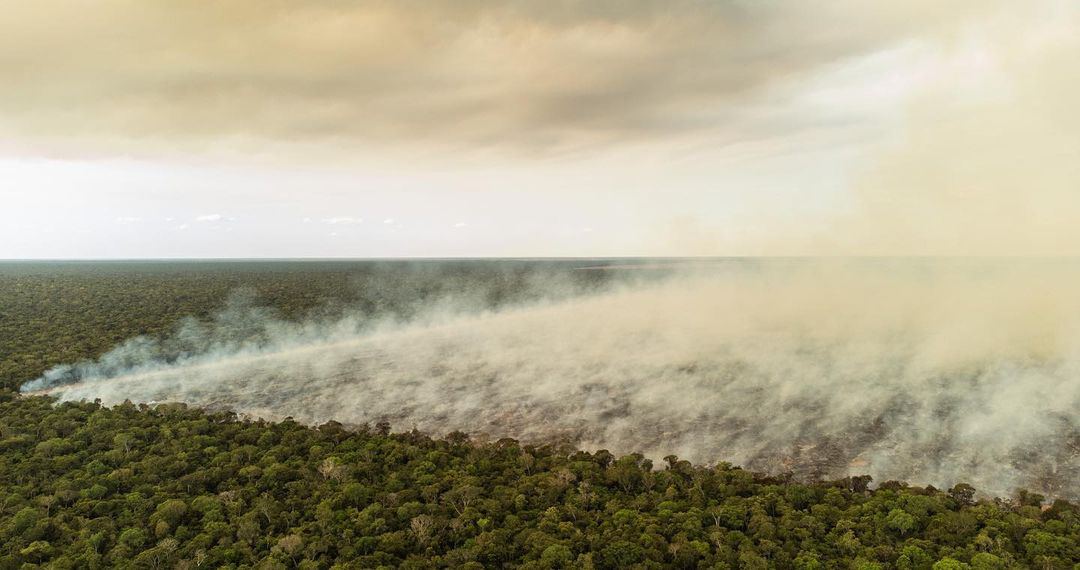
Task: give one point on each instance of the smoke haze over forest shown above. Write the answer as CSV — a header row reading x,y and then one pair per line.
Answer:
x,y
932,371
486,129
755,249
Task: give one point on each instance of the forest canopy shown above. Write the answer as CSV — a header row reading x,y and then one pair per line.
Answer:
x,y
170,486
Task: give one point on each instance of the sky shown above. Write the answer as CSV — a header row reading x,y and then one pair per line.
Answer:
x,y
325,128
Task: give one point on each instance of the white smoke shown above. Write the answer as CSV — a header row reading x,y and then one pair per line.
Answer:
x,y
931,372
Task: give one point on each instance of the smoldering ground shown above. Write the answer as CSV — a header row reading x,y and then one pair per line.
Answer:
x,y
933,372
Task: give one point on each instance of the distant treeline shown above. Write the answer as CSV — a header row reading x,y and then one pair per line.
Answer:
x,y
55,313
171,487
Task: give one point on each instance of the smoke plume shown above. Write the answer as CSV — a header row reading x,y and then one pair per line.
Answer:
x,y
934,372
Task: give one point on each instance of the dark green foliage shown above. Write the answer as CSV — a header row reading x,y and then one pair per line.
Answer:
x,y
168,486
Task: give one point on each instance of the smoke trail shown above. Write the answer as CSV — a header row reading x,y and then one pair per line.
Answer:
x,y
928,372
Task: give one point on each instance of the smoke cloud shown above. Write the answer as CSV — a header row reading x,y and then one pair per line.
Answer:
x,y
934,372
987,163
531,76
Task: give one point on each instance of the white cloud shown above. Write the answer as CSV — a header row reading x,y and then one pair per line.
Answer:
x,y
388,221
339,220
209,218
128,220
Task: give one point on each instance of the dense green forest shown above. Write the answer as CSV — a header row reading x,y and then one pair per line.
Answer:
x,y
83,486
167,487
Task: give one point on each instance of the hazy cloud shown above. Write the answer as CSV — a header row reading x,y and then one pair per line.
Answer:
x,y
982,156
673,128
526,76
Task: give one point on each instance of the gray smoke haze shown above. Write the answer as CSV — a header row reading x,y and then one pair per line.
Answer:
x,y
931,372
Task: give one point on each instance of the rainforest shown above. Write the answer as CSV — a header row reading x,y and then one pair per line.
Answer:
x,y
404,413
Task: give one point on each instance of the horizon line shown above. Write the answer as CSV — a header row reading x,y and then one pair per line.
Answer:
x,y
525,258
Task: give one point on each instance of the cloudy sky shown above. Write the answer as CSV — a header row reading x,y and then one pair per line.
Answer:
x,y
332,128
